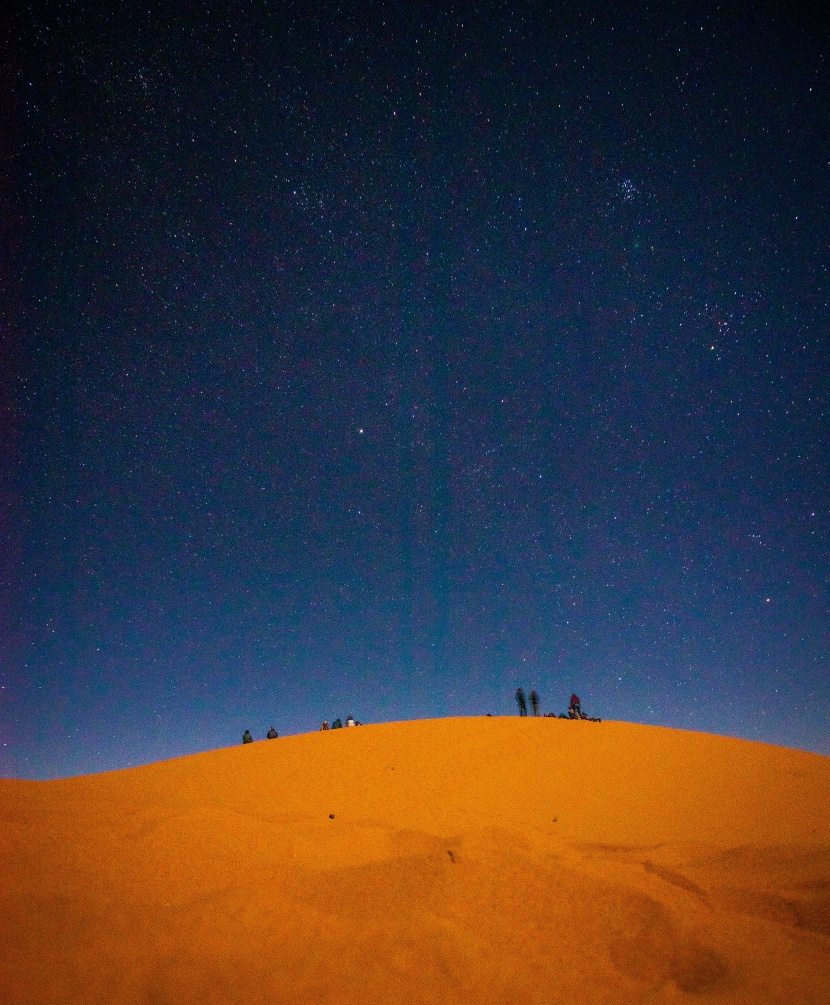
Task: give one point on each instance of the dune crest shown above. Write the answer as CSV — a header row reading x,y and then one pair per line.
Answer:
x,y
458,860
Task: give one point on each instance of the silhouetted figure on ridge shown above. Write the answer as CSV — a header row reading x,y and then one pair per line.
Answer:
x,y
246,737
337,724
534,702
520,699
272,734
325,725
575,711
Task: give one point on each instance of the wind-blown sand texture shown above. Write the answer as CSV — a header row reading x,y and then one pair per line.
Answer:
x,y
481,860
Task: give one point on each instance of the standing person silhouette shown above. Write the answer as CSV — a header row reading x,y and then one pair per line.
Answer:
x,y
534,702
576,705
520,699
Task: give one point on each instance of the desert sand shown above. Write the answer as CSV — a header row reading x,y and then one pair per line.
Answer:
x,y
475,860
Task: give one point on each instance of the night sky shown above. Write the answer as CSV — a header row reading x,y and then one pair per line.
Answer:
x,y
383,358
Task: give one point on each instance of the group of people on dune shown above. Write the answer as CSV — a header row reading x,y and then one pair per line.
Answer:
x,y
574,712
272,734
337,724
574,709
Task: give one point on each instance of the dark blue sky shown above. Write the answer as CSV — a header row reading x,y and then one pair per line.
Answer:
x,y
382,359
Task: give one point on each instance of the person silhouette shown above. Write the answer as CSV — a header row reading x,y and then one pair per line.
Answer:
x,y
534,702
520,699
246,737
272,734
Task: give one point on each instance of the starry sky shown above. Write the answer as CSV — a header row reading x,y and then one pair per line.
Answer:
x,y
381,358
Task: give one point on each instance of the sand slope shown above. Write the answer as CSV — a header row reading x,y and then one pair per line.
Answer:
x,y
468,860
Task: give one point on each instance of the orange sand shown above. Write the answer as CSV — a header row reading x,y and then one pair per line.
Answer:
x,y
469,860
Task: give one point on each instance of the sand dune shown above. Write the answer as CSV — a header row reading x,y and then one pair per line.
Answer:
x,y
458,860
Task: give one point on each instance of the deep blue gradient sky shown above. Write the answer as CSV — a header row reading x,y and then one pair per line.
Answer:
x,y
382,359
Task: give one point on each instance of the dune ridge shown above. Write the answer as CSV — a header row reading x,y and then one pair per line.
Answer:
x,y
498,860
